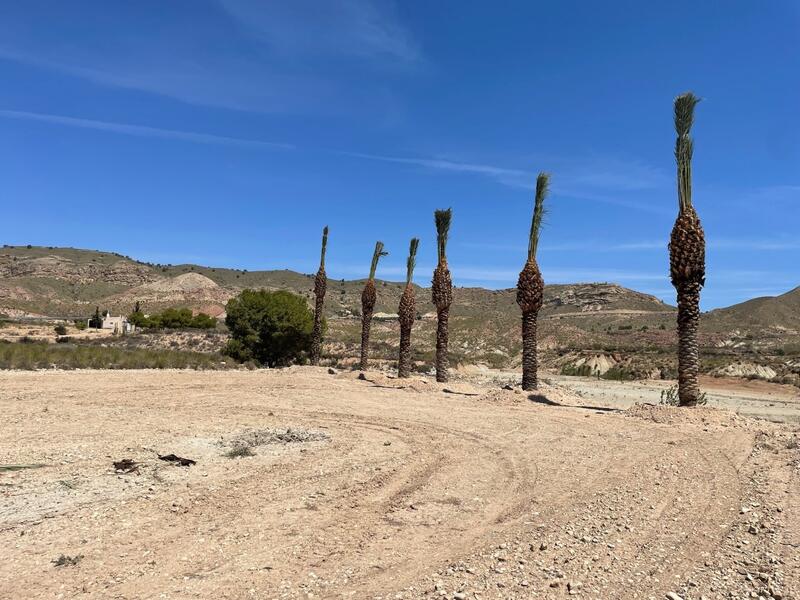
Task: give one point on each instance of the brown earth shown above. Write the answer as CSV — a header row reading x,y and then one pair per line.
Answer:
x,y
383,489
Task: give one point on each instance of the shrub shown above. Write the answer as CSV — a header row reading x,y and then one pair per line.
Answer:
x,y
172,318
617,373
576,371
670,397
270,328
80,325
38,355
60,329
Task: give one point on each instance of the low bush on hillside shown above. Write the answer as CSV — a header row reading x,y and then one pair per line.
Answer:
x,y
576,371
617,373
38,355
173,318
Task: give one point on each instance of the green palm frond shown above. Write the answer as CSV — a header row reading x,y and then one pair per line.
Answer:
x,y
542,187
412,259
684,147
443,218
376,255
324,248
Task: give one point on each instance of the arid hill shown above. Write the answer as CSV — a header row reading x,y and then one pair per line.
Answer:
x,y
65,282
585,327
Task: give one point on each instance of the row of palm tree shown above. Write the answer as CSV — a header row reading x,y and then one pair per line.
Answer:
x,y
687,273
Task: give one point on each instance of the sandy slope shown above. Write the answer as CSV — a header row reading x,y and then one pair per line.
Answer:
x,y
407,492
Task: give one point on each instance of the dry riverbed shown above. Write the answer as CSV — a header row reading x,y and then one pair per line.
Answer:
x,y
315,485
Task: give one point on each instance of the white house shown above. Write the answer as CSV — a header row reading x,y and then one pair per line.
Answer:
x,y
118,324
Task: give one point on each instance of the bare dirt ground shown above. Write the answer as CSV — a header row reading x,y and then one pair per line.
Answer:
x,y
346,488
761,399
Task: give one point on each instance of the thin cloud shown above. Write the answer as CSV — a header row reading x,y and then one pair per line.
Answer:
x,y
441,164
765,245
596,182
357,28
142,130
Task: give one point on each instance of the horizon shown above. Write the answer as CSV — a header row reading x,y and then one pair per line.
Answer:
x,y
233,141
417,281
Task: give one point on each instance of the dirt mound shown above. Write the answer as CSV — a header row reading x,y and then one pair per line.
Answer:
x,y
262,437
746,370
188,282
599,363
674,415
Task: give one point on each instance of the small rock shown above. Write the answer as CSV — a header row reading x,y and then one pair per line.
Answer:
x,y
574,585
459,596
673,596
331,371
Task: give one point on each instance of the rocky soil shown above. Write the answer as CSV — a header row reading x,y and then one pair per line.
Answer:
x,y
381,488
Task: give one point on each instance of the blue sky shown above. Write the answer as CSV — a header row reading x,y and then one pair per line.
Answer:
x,y
228,132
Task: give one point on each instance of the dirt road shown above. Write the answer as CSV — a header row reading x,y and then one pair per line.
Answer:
x,y
759,399
382,489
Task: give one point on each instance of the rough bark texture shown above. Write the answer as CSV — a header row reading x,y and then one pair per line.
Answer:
x,y
687,250
688,350
320,287
687,253
442,334
442,295
530,360
530,296
368,299
406,311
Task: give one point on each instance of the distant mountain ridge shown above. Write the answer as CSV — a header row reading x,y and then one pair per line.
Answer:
x,y
69,282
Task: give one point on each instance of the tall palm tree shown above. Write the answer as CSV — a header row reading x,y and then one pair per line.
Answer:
x,y
368,298
442,292
687,256
320,287
407,313
530,290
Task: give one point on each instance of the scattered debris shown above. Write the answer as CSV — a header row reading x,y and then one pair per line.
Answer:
x,y
126,465
4,468
240,452
449,391
261,437
67,561
183,462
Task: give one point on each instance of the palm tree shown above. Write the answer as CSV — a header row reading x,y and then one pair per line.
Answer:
x,y
442,292
687,256
368,298
530,290
320,287
407,313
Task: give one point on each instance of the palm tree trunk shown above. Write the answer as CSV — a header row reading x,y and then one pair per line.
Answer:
x,y
530,361
688,351
442,361
404,363
316,335
406,313
366,324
